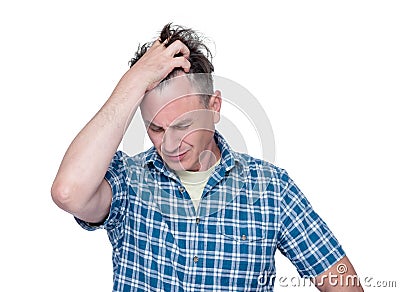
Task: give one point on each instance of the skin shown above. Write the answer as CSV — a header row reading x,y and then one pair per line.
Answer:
x,y
332,280
179,125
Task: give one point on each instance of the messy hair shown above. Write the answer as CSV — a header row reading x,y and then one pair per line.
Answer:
x,y
201,67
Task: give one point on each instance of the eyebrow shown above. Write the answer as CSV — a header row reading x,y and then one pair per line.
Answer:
x,y
182,122
148,124
177,124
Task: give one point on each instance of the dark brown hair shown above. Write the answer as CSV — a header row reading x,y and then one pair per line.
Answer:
x,y
201,67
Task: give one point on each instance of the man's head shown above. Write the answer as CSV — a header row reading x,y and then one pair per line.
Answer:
x,y
181,111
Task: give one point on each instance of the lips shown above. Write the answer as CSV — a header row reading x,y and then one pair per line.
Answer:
x,y
178,157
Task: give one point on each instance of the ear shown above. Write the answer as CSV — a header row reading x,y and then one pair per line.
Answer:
x,y
215,105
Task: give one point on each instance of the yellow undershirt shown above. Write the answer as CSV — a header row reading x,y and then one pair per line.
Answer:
x,y
195,181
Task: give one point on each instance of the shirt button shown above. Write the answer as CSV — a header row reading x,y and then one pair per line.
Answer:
x,y
181,189
195,259
197,220
244,237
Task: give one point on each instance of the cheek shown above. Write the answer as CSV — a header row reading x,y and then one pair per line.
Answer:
x,y
155,138
198,139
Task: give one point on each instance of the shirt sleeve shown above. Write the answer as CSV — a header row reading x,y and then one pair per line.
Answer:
x,y
116,176
304,238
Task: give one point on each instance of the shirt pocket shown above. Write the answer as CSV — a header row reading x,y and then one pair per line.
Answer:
x,y
242,222
241,232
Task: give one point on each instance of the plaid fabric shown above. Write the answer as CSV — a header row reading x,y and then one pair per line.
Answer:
x,y
249,209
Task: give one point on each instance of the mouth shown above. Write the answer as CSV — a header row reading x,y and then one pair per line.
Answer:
x,y
177,158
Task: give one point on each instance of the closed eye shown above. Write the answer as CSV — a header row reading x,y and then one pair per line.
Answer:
x,y
181,127
156,129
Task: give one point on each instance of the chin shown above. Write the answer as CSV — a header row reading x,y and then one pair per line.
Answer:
x,y
183,165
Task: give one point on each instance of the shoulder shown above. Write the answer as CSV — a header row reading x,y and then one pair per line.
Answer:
x,y
122,160
258,167
263,178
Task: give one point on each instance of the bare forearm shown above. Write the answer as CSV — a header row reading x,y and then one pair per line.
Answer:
x,y
341,277
88,157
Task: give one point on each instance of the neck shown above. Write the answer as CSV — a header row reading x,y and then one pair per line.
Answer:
x,y
209,157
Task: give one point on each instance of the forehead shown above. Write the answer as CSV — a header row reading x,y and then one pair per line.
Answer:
x,y
170,100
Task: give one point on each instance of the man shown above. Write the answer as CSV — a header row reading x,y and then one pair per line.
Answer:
x,y
189,214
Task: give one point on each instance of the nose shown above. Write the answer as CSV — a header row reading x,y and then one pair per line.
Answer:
x,y
171,142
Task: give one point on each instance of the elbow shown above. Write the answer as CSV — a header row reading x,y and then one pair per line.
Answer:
x,y
62,195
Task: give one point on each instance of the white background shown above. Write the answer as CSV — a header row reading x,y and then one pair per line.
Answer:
x,y
327,74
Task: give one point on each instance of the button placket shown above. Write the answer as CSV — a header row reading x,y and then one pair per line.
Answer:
x,y
198,244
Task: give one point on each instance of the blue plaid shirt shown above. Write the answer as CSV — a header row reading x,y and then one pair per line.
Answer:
x,y
249,209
